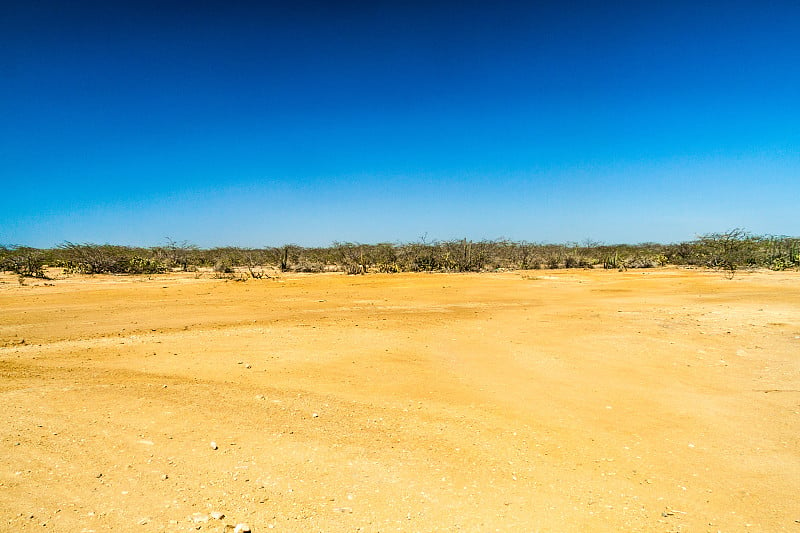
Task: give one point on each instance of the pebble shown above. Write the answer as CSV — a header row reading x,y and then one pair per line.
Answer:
x,y
214,445
242,528
216,515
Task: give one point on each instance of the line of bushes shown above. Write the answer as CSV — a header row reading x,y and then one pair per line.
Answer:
x,y
727,251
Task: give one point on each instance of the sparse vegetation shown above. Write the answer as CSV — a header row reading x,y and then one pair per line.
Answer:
x,y
729,251
176,254
24,261
351,258
90,258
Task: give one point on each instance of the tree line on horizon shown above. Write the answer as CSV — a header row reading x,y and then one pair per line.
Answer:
x,y
729,251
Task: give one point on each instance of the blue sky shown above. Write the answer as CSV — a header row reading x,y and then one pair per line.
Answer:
x,y
262,123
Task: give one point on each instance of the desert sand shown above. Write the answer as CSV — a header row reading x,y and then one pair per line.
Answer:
x,y
651,400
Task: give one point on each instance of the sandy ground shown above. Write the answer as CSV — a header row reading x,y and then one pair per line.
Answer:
x,y
659,400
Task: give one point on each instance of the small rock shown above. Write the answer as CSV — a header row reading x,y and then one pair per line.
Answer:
x,y
241,528
315,415
165,477
248,366
216,515
214,445
198,517
99,475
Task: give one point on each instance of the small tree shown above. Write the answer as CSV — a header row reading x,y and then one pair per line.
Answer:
x,y
254,261
384,257
351,258
179,254
284,257
22,260
727,251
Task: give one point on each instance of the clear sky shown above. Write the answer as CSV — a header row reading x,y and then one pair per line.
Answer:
x,y
262,123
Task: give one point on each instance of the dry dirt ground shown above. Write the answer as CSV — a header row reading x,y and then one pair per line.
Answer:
x,y
659,400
